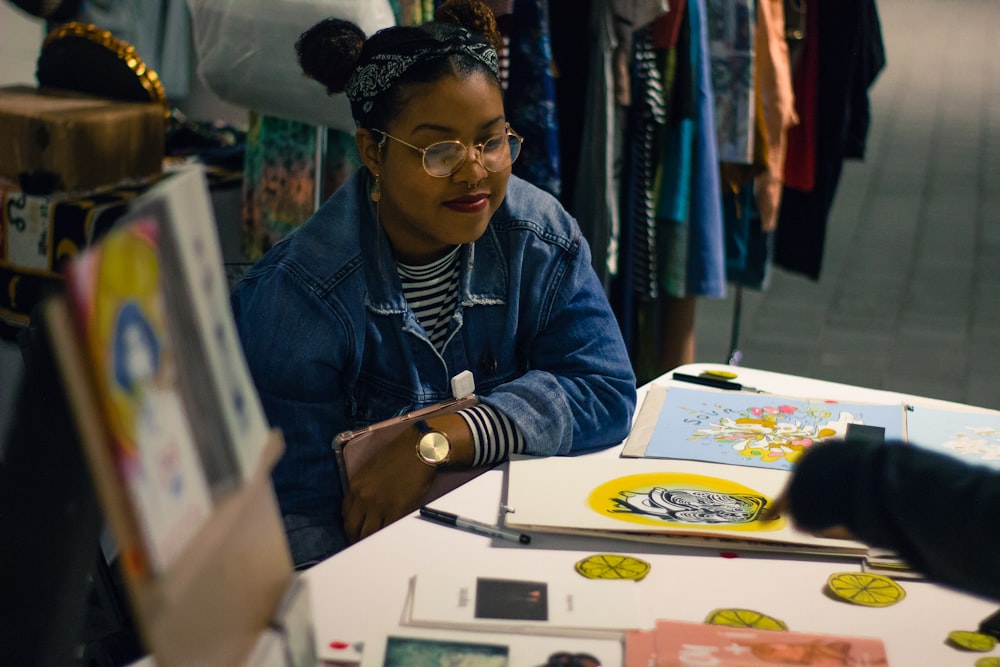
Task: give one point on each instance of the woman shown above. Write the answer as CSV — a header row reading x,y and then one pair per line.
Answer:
x,y
430,261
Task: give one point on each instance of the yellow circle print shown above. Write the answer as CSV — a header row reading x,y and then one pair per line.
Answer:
x,y
683,500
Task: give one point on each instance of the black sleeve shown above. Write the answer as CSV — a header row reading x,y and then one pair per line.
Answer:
x,y
939,513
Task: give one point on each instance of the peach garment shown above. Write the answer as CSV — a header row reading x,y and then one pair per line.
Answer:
x,y
774,79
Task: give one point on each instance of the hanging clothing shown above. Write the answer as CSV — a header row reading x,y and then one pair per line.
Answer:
x,y
774,87
590,192
576,43
530,98
281,176
850,54
800,160
672,34
731,53
752,192
690,208
636,278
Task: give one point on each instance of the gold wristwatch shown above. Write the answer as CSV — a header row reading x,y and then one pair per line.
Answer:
x,y
434,447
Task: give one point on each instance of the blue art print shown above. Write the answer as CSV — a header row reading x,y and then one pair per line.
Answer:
x,y
759,430
970,436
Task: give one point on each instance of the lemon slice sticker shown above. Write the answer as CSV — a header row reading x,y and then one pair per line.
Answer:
x,y
864,588
971,641
612,566
744,618
990,661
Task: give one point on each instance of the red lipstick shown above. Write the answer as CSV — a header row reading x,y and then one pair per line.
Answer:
x,y
470,203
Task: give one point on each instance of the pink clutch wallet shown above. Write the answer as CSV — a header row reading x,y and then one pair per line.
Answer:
x,y
353,448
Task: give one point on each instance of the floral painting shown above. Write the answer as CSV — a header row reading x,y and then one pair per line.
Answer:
x,y
973,436
761,430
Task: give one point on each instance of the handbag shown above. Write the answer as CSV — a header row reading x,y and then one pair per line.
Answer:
x,y
353,449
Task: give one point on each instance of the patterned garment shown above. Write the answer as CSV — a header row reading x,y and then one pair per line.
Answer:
x,y
530,98
279,186
731,25
648,102
430,291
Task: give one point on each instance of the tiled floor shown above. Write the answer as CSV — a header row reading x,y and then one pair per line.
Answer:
x,y
909,296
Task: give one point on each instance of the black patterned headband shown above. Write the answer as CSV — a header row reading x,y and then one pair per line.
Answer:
x,y
376,74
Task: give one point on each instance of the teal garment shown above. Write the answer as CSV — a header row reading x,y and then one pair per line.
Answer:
x,y
748,247
689,209
674,202
160,31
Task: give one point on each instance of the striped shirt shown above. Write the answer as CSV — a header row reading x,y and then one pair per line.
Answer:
x,y
431,290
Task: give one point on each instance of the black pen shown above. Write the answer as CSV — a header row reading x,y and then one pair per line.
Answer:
x,y
449,519
718,383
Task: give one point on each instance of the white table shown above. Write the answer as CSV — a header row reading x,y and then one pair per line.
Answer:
x,y
358,594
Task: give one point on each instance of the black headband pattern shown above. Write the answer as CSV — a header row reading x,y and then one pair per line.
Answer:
x,y
381,71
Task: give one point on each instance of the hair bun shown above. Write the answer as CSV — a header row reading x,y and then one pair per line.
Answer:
x,y
475,15
329,51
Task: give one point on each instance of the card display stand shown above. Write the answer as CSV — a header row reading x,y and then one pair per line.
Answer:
x,y
210,607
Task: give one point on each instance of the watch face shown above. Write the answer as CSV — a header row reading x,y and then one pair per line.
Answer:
x,y
434,448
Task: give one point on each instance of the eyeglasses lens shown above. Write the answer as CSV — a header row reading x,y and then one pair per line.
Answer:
x,y
446,157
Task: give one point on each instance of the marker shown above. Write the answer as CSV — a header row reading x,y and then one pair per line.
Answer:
x,y
714,382
450,519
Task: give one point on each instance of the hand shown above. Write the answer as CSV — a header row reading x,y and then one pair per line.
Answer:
x,y
780,506
386,487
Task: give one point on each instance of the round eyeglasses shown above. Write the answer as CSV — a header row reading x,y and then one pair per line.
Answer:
x,y
444,158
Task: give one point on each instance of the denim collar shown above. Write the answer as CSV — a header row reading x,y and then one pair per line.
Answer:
x,y
482,266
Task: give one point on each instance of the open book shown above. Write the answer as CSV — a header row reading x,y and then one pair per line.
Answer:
x,y
691,503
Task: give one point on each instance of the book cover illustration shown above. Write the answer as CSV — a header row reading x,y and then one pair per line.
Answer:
x,y
412,647
973,436
114,289
225,401
655,500
407,651
759,430
681,644
563,606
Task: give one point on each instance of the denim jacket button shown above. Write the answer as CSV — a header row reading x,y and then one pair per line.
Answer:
x,y
488,363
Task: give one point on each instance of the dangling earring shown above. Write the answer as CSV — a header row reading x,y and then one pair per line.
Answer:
x,y
376,193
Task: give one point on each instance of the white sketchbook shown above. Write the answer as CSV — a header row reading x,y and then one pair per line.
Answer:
x,y
226,408
691,503
569,606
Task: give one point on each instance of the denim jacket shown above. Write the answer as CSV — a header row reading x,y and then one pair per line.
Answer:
x,y
332,345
